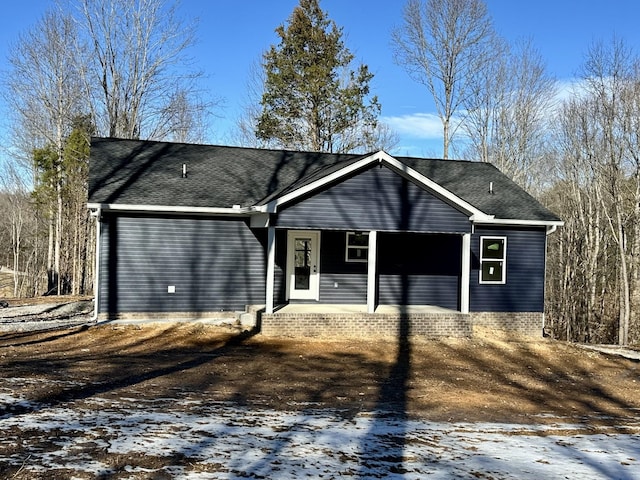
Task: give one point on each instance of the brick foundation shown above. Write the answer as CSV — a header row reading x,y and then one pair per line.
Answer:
x,y
528,324
429,325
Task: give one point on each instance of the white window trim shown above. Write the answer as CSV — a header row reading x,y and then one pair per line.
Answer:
x,y
348,247
503,260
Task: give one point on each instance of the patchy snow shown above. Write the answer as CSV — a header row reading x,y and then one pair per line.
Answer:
x,y
614,350
45,316
198,440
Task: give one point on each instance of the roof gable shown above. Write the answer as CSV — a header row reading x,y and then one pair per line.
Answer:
x,y
373,198
330,174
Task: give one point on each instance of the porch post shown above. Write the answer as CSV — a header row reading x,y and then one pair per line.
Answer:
x,y
371,271
271,262
464,275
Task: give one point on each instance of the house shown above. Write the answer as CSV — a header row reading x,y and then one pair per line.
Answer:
x,y
316,243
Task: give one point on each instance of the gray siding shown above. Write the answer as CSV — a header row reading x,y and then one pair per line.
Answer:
x,y
214,264
524,288
438,290
376,199
419,270
279,280
340,281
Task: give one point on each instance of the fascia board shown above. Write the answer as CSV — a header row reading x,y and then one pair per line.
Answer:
x,y
517,222
550,225
171,209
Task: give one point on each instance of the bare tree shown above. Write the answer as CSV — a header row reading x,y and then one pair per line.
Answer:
x,y
138,74
609,73
45,94
508,111
599,157
579,280
19,236
245,132
487,90
443,44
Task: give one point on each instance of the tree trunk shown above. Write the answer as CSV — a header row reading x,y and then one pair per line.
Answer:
x,y
58,240
51,278
624,283
445,140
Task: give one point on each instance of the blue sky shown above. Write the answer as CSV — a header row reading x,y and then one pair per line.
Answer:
x,y
233,34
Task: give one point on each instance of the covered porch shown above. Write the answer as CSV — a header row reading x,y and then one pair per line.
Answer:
x,y
367,272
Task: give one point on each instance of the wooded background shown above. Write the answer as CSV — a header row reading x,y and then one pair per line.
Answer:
x,y
578,153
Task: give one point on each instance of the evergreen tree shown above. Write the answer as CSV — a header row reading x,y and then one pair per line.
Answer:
x,y
78,234
65,177
312,100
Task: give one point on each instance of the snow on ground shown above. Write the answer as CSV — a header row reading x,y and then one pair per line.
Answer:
x,y
614,350
45,316
214,440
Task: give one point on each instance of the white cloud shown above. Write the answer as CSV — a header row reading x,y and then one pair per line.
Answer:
x,y
418,125
569,88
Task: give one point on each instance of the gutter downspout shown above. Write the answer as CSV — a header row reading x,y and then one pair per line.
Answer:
x,y
550,230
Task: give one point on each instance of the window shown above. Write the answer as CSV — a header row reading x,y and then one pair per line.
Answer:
x,y
357,247
493,256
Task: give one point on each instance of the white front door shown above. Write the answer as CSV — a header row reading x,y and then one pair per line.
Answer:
x,y
303,265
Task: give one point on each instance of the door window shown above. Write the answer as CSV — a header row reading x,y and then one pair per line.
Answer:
x,y
302,263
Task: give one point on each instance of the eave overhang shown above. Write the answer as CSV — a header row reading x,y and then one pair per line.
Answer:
x,y
173,209
260,212
550,225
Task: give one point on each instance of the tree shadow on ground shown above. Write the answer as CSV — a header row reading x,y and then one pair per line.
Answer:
x,y
392,403
121,374
253,373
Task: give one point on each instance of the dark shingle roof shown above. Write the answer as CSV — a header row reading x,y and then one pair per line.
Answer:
x,y
137,172
140,172
471,182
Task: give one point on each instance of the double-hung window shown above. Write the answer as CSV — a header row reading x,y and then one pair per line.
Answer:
x,y
357,247
493,260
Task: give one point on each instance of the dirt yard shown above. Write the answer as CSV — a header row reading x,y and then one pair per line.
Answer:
x,y
448,380
451,379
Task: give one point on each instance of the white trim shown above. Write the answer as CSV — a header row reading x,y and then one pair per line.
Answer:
x,y
371,271
503,260
236,210
348,247
465,273
522,223
271,262
314,278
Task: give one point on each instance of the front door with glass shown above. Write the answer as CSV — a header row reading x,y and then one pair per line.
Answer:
x,y
303,255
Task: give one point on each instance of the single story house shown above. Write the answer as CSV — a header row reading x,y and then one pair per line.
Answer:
x,y
315,243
